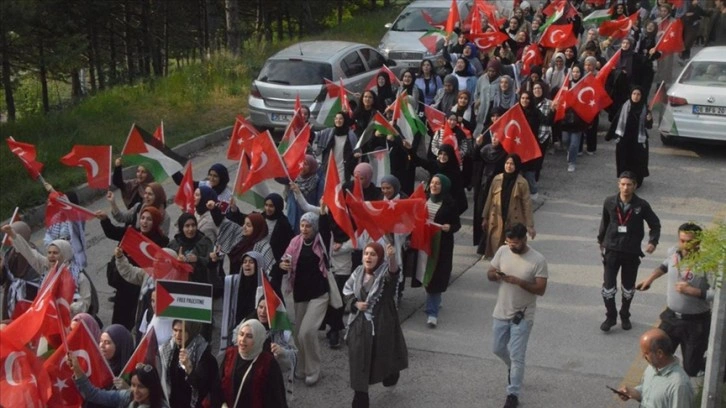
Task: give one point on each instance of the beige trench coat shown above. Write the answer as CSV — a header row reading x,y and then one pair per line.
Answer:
x,y
520,210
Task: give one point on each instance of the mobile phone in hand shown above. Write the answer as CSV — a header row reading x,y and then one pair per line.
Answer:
x,y
618,392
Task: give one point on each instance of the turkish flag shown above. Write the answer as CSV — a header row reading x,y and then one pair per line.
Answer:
x,y
672,39
430,21
604,73
265,162
334,199
513,131
588,97
146,352
291,131
449,137
26,154
385,216
85,348
475,22
242,133
294,157
558,36
487,41
564,5
152,258
184,197
96,160
531,56
435,118
618,28
159,133
60,208
23,382
424,230
57,319
453,17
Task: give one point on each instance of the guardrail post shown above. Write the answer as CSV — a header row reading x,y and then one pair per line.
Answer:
x,y
713,383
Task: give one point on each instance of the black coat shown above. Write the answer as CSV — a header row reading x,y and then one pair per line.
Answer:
x,y
631,241
447,214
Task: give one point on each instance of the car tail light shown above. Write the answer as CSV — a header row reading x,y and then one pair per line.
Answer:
x,y
255,92
677,101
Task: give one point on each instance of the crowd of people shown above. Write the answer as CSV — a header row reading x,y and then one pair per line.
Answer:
x,y
353,288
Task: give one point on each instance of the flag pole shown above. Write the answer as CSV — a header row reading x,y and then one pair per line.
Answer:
x,y
663,36
652,101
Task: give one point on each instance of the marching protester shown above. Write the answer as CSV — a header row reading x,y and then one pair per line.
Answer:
x,y
631,137
132,191
20,281
239,294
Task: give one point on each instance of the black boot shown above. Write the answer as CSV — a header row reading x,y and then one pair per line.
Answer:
x,y
625,309
611,310
360,400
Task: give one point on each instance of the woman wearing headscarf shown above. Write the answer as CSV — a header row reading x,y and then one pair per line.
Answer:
x,y
464,75
127,294
647,43
251,377
507,203
532,168
310,186
279,235
464,110
144,377
363,174
20,281
570,57
339,141
235,241
305,261
504,96
188,369
491,156
556,73
58,251
470,53
384,92
428,82
625,75
544,105
376,348
205,222
408,85
117,346
218,180
629,131
447,163
240,290
572,126
279,342
132,191
91,324
364,112
442,210
192,247
446,97
154,196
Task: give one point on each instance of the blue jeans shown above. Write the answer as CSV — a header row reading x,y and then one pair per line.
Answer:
x,y
530,177
572,141
433,302
510,345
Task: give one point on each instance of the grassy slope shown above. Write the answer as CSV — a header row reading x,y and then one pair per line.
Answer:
x,y
192,101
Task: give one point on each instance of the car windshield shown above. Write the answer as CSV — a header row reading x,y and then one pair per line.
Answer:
x,y
418,19
705,73
295,72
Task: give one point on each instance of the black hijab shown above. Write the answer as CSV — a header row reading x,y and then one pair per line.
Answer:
x,y
384,93
508,182
183,240
345,128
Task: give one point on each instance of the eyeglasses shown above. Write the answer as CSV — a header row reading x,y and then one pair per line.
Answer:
x,y
145,367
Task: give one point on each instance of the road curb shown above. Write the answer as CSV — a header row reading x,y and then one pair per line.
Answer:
x,y
35,216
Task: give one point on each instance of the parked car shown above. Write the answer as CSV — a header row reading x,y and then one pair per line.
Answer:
x,y
696,106
301,69
401,41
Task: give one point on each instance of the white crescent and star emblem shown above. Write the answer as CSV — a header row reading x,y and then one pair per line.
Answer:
x,y
392,204
582,92
371,209
529,55
92,163
338,195
9,363
263,162
560,35
81,354
143,248
508,125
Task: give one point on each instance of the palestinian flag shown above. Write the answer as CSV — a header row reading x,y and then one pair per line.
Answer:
x,y
406,119
559,12
433,40
377,124
332,99
427,262
143,149
596,18
659,101
380,160
276,312
184,300
147,352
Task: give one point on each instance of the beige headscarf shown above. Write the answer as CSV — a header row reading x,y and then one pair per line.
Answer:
x,y
259,334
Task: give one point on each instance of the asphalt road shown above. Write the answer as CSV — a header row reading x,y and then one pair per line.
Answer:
x,y
569,360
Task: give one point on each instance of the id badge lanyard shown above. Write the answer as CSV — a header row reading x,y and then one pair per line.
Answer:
x,y
622,223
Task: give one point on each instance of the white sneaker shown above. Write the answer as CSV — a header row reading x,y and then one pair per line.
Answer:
x,y
534,196
432,322
570,168
589,153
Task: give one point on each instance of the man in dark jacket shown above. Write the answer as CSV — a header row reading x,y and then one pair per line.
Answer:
x,y
717,31
620,237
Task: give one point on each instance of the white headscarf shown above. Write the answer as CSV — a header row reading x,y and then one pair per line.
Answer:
x,y
259,334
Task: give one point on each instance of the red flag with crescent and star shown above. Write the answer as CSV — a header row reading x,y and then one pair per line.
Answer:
x,y
618,29
184,197
23,382
265,163
513,131
294,156
531,56
152,258
558,36
334,199
60,208
84,347
453,17
435,118
609,66
96,160
26,153
242,133
588,97
672,39
487,41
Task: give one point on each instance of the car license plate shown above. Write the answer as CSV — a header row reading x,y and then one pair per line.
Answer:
x,y
709,110
275,117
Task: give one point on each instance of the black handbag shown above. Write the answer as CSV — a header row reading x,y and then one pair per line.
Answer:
x,y
113,277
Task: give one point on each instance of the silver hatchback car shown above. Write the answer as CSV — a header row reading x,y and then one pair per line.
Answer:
x,y
301,69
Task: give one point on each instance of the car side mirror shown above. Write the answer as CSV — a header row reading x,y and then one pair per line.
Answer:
x,y
388,25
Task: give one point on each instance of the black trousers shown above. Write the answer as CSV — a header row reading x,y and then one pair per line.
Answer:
x,y
615,261
692,335
334,317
